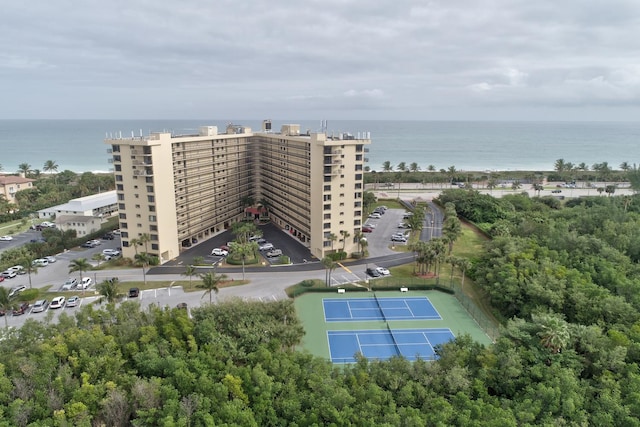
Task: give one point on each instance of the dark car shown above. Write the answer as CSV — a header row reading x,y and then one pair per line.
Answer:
x,y
108,236
373,272
134,292
367,229
182,305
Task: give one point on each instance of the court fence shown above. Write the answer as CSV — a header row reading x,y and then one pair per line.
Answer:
x,y
490,327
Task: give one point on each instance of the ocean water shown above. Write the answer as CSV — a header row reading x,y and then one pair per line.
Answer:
x,y
77,145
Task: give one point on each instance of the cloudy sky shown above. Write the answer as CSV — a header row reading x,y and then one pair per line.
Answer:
x,y
311,59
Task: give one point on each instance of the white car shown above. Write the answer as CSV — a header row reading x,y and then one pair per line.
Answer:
x,y
17,290
85,282
110,252
375,215
9,274
274,253
18,269
71,283
370,225
57,302
403,225
40,262
266,247
399,239
51,259
40,306
219,252
73,301
383,271
6,238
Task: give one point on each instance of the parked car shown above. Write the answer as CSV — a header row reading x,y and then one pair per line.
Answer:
x,y
398,239
40,306
372,272
40,262
403,225
71,283
17,290
219,252
87,245
366,229
274,253
556,191
225,248
108,236
50,259
375,215
407,215
134,292
9,274
1,278
57,302
85,282
21,309
370,225
182,305
6,238
383,271
73,301
18,269
110,252
266,247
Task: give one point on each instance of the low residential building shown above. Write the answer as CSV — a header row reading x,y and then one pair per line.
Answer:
x,y
83,225
101,205
11,184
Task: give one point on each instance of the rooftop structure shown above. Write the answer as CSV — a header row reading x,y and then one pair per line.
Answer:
x,y
96,205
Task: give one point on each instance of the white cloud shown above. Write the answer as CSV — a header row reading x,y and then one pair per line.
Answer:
x,y
382,59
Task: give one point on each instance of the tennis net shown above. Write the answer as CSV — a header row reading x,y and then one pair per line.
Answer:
x,y
395,343
379,307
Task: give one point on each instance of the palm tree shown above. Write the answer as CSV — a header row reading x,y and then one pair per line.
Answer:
x,y
625,166
144,239
452,230
50,166
345,235
27,263
329,266
108,290
134,242
538,188
463,264
143,259
516,185
210,283
98,257
24,168
332,237
413,167
79,264
189,271
402,167
243,250
5,304
554,331
386,166
559,166
431,168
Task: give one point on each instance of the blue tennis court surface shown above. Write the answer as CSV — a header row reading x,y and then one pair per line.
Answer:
x,y
384,344
349,309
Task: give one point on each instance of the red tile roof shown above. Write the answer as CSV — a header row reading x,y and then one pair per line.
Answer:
x,y
13,179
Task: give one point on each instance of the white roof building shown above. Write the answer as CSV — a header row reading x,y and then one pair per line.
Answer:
x,y
100,205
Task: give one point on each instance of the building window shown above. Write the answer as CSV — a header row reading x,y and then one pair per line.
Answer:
x,y
124,234
358,167
154,228
155,246
357,213
150,188
327,207
326,225
119,178
152,208
154,237
118,168
326,244
359,186
358,177
120,187
327,197
152,218
122,216
123,225
327,188
120,196
121,206
151,199
327,216
356,222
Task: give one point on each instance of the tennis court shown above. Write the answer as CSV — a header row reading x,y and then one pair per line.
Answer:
x,y
397,308
384,344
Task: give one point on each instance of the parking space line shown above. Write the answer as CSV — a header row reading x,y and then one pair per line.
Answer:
x,y
349,271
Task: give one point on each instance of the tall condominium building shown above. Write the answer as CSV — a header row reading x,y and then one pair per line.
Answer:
x,y
182,189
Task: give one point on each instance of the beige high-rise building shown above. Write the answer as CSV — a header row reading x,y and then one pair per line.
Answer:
x,y
182,190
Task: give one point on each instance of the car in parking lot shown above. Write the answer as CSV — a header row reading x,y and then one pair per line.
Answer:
x,y
372,272
274,253
6,238
73,301
88,245
57,302
108,236
407,215
85,282
403,225
111,252
383,271
40,262
375,215
556,191
40,306
219,252
397,238
266,247
21,309
18,269
366,229
71,283
9,274
50,259
134,292
17,290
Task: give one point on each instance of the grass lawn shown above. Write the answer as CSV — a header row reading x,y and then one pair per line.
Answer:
x,y
14,227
